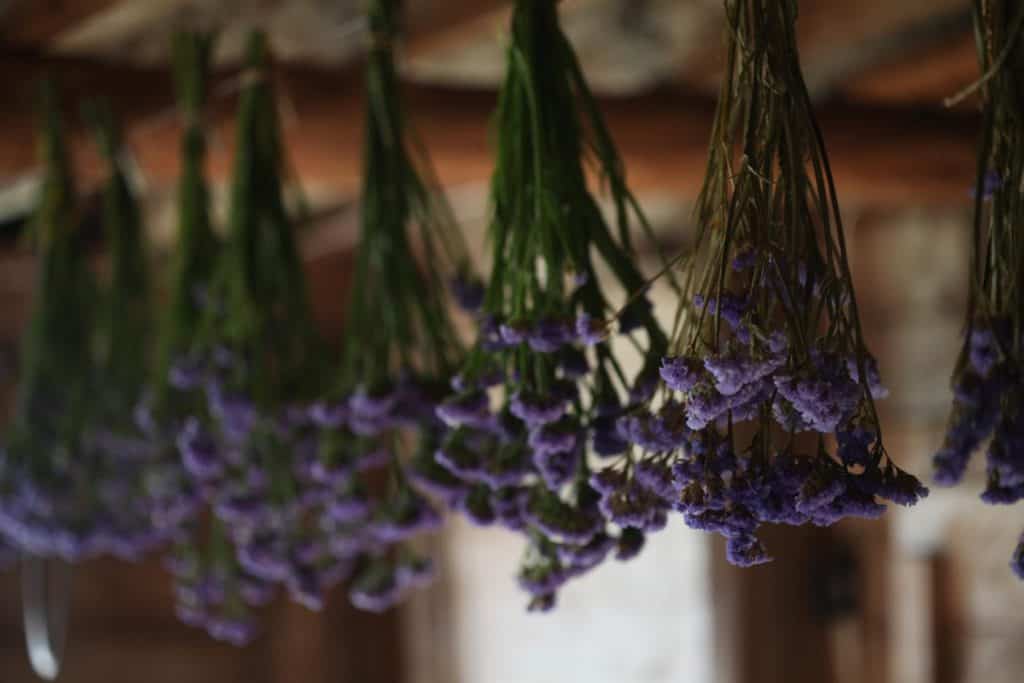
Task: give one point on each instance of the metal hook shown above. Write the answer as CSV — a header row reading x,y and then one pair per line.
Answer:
x,y
45,603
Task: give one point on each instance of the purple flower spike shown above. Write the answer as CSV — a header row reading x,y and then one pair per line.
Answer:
x,y
549,335
470,408
369,407
589,330
185,374
536,410
328,415
199,452
680,373
746,551
513,333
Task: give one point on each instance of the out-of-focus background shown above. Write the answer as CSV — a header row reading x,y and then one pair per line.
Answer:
x,y
922,596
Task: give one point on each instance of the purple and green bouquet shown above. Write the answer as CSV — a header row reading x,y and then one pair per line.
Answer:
x,y
988,382
400,349
543,388
70,477
767,413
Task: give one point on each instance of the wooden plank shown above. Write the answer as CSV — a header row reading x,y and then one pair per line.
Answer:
x,y
924,78
765,626
927,157
34,23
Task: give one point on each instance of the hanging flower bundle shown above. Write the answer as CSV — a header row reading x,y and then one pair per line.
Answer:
x,y
542,384
251,370
768,413
48,503
988,392
399,350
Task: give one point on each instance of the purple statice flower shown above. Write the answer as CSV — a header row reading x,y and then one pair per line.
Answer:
x,y
415,572
589,330
732,307
489,333
824,398
186,373
509,505
746,551
541,579
1004,459
680,373
458,455
251,510
557,468
468,293
854,446
236,631
348,509
199,452
609,480
984,350
537,410
633,506
328,415
606,440
580,558
476,506
655,475
550,334
554,437
514,333
376,589
560,521
403,517
733,372
370,407
471,408
305,587
264,558
256,593
874,377
819,490
901,487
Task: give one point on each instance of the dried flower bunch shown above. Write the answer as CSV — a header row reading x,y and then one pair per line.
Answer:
x,y
542,385
252,367
768,413
399,349
71,477
988,400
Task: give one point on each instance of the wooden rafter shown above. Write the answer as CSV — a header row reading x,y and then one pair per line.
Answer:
x,y
882,156
34,23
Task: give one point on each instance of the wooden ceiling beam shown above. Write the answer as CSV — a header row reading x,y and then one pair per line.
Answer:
x,y
880,156
34,23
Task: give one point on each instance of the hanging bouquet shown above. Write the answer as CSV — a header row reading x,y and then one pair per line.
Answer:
x,y
542,385
988,402
768,411
399,351
248,374
48,503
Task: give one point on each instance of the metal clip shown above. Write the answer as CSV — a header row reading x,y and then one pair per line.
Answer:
x,y
45,603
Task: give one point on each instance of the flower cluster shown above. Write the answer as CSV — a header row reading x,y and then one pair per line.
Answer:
x,y
236,395
399,349
71,475
543,387
988,382
767,413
